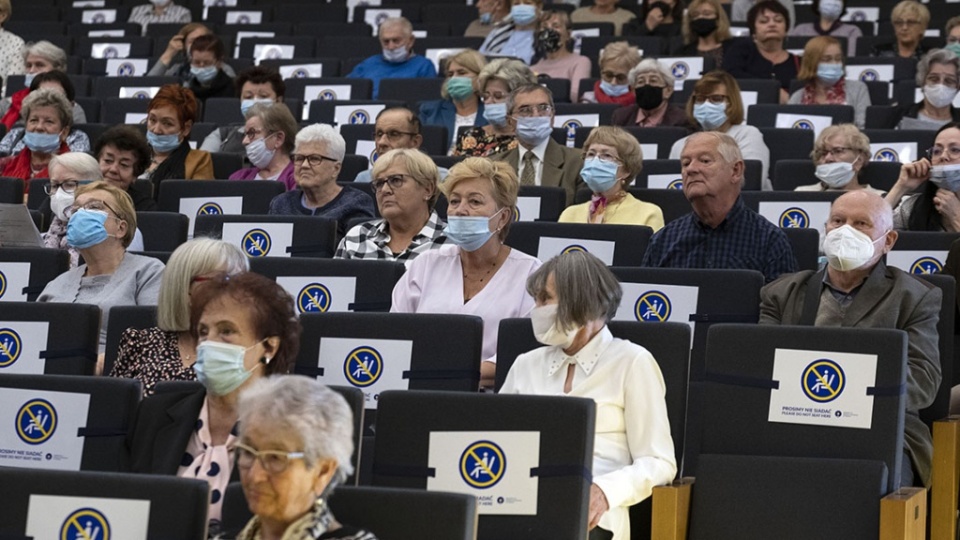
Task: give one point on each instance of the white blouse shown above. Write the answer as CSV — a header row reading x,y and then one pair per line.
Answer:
x,y
633,450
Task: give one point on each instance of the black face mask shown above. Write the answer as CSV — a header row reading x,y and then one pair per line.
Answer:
x,y
703,27
548,41
649,97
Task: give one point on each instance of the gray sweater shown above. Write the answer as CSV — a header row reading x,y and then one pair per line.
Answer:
x,y
858,97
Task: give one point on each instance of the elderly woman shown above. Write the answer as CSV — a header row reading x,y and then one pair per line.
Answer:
x,y
557,60
661,18
48,121
174,62
101,224
823,70
705,31
124,154
477,274
938,74
616,61
514,37
604,11
245,328
317,159
268,138
611,161
78,141
460,106
652,85
496,81
492,13
207,78
840,154
405,183
828,13
575,296
255,85
910,20
716,105
11,47
170,117
167,351
936,207
296,439
762,56
39,57
159,11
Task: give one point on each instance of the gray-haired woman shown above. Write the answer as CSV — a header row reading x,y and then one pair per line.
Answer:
x,y
652,85
49,117
938,76
576,295
296,438
495,83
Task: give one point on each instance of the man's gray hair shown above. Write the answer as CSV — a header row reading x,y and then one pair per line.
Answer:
x,y
586,290
727,146
648,65
326,135
81,164
936,56
55,55
405,26
528,89
301,407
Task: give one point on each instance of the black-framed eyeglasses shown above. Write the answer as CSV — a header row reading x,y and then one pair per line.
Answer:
x,y
95,205
314,160
937,152
395,181
272,461
392,135
68,186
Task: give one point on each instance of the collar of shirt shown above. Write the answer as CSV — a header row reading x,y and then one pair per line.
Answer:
x,y
381,236
586,357
732,215
538,150
849,296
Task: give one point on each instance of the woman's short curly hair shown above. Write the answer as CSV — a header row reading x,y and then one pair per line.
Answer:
x,y
503,182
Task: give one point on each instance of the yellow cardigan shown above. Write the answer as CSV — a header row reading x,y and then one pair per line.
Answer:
x,y
627,211
198,165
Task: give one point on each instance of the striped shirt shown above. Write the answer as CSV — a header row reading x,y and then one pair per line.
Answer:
x,y
144,15
371,240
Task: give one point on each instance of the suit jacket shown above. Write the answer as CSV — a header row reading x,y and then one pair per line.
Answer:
x,y
889,298
561,167
442,112
673,116
162,430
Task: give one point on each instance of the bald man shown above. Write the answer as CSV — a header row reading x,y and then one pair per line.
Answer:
x,y
858,290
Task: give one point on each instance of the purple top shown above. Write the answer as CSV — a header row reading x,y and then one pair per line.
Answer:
x,y
250,173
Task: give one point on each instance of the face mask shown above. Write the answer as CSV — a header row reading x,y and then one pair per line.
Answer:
x,y
710,115
835,175
548,41
547,330
459,88
648,97
599,175
247,103
703,27
496,113
395,56
830,73
848,249
45,143
258,154
831,9
28,79
163,143
939,95
160,2
219,366
523,14
86,228
204,74
486,18
469,232
60,201
534,130
614,90
955,47
946,176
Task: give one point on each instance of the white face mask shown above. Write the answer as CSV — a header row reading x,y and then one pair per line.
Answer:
x,y
60,201
939,95
546,328
835,175
848,249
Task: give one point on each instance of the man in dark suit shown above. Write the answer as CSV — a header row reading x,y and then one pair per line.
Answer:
x,y
857,289
538,159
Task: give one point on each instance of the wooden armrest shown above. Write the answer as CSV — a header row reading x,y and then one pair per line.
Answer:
x,y
945,479
671,510
903,514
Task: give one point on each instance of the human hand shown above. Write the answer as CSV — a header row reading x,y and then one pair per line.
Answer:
x,y
654,18
947,203
598,505
913,175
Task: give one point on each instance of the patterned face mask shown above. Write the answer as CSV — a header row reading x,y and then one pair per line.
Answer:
x,y
548,41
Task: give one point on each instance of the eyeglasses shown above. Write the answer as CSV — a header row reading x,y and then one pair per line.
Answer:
x,y
92,205
937,79
392,136
528,111
608,158
651,80
313,159
253,133
272,461
619,78
68,186
712,98
498,96
937,152
837,151
395,181
906,22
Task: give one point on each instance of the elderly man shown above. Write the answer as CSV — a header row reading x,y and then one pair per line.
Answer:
x,y
721,232
398,60
538,159
857,289
396,127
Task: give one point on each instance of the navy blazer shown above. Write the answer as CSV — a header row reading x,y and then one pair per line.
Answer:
x,y
442,112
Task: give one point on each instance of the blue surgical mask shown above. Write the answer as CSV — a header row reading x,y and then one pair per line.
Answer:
x,y
599,175
469,232
45,143
710,115
87,228
220,368
204,74
486,18
955,47
495,113
459,88
28,79
534,130
523,14
247,103
614,90
395,56
830,73
163,143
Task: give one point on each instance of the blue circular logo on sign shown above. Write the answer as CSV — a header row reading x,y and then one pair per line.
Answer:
x,y
125,69
359,116
243,19
256,243
680,70
10,347
300,73
482,464
571,126
573,248
99,19
823,380
141,94
803,124
314,298
794,218
210,209
36,421
926,265
858,16
363,366
3,284
869,75
886,154
676,184
327,95
653,306
85,524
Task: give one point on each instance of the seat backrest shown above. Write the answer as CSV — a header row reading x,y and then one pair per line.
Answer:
x,y
162,231
792,209
539,203
122,318
805,244
672,202
11,190
222,110
111,87
216,197
24,272
921,252
49,338
120,110
765,115
621,245
411,90
273,236
353,111
940,407
882,116
787,144
407,514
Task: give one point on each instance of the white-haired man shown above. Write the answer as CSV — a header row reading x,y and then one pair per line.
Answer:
x,y
398,61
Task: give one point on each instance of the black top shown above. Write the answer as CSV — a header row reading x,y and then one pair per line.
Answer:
x,y
742,59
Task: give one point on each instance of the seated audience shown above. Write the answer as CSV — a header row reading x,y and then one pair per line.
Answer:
x,y
49,120
762,55
823,69
124,154
557,60
396,127
398,60
268,138
170,117
840,152
39,57
514,36
207,78
255,85
460,106
474,273
828,23
925,195
910,19
705,31
492,13
616,61
938,74
952,35
78,141
11,47
604,11
652,84
496,81
740,9
159,12
167,351
660,18
612,160
576,295
175,62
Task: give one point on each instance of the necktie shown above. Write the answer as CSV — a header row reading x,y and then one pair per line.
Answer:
x,y
529,174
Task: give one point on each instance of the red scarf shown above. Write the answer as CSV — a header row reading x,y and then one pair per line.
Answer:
x,y
13,113
627,99
836,94
19,166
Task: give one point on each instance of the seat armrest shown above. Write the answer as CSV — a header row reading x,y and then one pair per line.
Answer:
x,y
945,479
671,510
903,514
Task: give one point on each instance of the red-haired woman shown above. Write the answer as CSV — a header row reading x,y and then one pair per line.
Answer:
x,y
170,117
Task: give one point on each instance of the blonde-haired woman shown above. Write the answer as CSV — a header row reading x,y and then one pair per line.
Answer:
x,y
910,20
823,70
460,106
705,30
616,61
475,273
